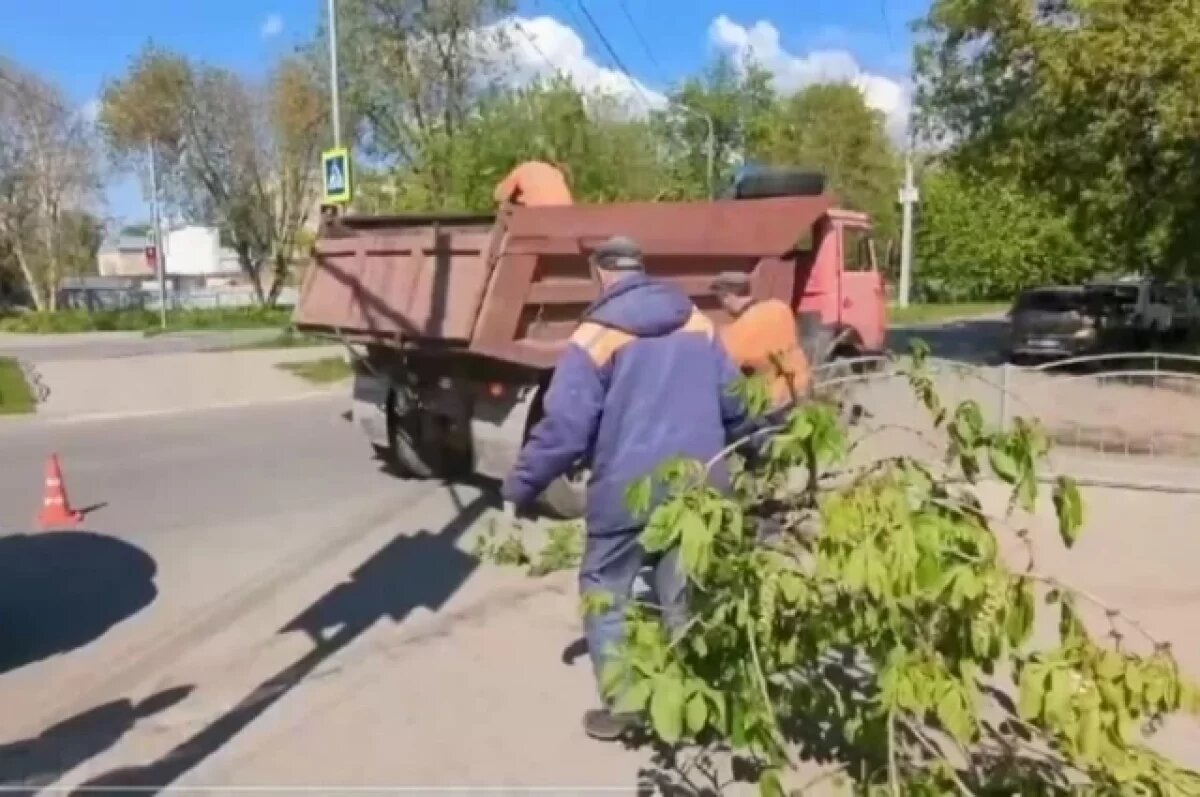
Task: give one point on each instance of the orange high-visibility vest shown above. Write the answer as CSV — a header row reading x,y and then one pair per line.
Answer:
x,y
534,183
763,340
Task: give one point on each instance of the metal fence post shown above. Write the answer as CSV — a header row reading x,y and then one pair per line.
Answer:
x,y
1005,371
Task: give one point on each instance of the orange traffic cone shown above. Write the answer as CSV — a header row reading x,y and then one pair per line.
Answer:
x,y
56,509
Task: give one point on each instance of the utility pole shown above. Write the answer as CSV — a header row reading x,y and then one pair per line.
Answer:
x,y
908,198
335,104
160,259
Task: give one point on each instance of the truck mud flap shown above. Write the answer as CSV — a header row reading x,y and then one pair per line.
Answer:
x,y
497,432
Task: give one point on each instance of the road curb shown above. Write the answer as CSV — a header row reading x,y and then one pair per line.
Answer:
x,y
100,417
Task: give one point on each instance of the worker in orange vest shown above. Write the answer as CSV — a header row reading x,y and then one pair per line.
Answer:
x,y
763,339
534,184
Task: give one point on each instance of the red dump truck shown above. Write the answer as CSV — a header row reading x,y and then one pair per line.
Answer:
x,y
456,321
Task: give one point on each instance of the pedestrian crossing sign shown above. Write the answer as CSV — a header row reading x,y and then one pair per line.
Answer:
x,y
335,165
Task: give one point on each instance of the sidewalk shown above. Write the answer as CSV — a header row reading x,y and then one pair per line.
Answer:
x,y
154,384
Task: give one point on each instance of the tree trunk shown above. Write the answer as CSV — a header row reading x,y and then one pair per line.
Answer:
x,y
255,275
31,281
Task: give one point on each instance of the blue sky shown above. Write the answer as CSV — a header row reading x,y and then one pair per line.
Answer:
x,y
80,43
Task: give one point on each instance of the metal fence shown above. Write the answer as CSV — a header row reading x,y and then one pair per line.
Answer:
x,y
105,298
1130,418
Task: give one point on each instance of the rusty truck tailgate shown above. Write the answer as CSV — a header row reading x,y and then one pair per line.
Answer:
x,y
400,280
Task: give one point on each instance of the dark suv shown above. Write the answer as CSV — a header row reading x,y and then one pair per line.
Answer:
x,y
1053,323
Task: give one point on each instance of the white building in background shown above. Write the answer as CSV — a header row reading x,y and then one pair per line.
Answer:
x,y
195,251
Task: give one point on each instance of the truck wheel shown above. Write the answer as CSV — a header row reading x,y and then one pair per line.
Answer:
x,y
410,452
566,497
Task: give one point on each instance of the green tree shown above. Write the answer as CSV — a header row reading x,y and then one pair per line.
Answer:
x,y
742,107
982,237
413,78
828,127
1095,104
609,154
241,156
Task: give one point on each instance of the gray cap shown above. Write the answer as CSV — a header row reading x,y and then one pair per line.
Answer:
x,y
618,253
737,283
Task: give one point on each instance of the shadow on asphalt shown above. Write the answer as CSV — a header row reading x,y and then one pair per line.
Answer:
x,y
29,765
61,590
976,341
413,570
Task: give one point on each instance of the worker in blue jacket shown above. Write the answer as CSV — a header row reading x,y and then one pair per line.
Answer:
x,y
644,378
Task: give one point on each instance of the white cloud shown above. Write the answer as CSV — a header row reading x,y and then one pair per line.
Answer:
x,y
272,26
90,110
541,47
760,44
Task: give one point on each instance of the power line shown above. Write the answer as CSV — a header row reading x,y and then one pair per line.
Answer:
x,y
612,53
645,44
533,43
887,25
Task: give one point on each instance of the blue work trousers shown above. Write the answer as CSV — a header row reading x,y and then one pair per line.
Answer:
x,y
611,563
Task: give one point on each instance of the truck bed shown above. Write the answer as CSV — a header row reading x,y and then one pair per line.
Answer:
x,y
513,286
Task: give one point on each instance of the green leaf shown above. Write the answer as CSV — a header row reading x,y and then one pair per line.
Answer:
x,y
1003,464
593,603
695,543
1032,692
697,713
928,572
662,530
1021,613
1090,734
1068,505
791,586
1058,697
666,709
637,496
1027,492
633,699
954,714
769,784
1111,665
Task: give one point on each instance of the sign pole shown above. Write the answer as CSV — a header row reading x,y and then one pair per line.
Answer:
x,y
334,100
160,261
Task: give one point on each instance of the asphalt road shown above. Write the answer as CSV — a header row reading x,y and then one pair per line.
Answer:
x,y
976,341
216,500
107,345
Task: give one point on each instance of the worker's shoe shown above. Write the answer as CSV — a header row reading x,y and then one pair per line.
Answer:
x,y
606,726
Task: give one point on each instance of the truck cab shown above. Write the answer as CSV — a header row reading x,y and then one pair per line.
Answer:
x,y
841,305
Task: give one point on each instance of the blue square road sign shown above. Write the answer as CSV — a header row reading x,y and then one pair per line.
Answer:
x,y
335,168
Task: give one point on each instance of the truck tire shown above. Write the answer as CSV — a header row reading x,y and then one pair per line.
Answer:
x,y
414,450
775,182
404,452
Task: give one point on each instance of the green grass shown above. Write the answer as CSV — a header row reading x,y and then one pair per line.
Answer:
x,y
931,313
147,321
324,371
15,396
